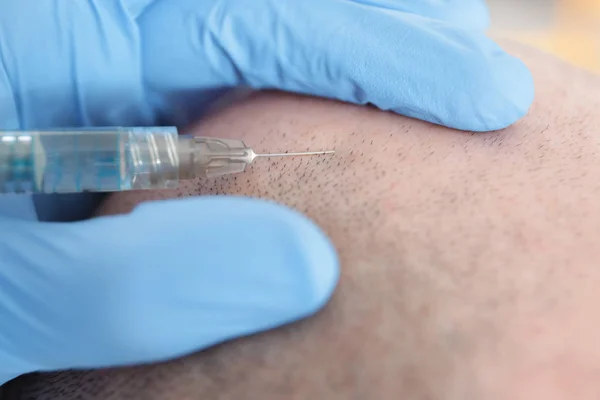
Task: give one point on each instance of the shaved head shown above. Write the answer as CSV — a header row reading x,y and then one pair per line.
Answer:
x,y
469,261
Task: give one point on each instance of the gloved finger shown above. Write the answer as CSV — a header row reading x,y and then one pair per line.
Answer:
x,y
402,62
467,14
168,279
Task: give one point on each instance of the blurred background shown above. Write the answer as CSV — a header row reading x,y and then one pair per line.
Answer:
x,y
567,28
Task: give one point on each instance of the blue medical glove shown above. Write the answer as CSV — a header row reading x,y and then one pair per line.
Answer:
x,y
178,276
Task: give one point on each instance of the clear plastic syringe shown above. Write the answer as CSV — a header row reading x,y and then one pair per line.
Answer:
x,y
115,159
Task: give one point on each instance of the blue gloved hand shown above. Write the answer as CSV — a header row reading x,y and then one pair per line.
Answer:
x,y
177,276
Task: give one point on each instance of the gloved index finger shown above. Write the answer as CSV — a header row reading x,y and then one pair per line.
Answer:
x,y
412,65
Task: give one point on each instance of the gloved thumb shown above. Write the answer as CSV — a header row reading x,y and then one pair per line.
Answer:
x,y
166,280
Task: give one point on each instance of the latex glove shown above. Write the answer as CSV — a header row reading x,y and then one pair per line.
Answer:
x,y
178,276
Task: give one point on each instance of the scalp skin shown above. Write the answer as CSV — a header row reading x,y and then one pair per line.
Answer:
x,y
469,261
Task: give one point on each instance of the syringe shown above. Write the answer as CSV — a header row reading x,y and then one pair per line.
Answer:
x,y
116,159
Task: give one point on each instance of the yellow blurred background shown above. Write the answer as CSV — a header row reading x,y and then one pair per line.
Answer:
x,y
567,28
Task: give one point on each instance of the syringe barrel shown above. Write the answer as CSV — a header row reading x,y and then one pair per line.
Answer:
x,y
89,160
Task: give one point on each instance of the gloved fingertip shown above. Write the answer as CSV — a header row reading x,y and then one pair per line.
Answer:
x,y
515,86
305,254
505,95
320,261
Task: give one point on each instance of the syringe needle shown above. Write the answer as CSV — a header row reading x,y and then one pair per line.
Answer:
x,y
305,153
